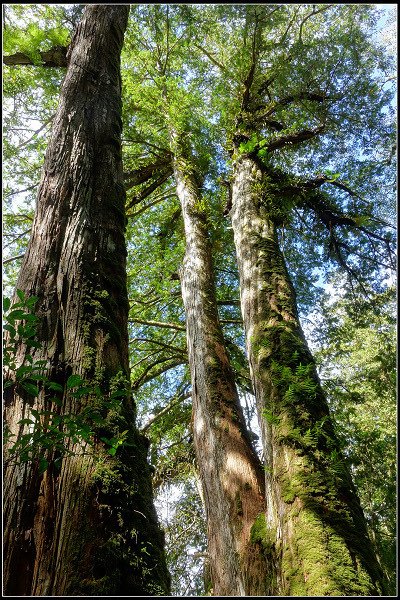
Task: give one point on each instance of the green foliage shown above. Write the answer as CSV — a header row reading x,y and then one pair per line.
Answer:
x,y
356,351
260,533
46,435
168,79
186,543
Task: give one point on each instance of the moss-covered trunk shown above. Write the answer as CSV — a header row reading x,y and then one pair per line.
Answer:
x,y
314,524
230,472
87,525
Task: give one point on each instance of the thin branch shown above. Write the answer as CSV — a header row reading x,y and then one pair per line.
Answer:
x,y
318,96
8,260
28,189
211,57
175,400
148,375
314,12
162,344
150,189
232,321
228,302
145,172
176,326
149,205
36,132
136,364
16,238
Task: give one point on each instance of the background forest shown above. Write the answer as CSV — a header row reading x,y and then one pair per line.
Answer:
x,y
307,93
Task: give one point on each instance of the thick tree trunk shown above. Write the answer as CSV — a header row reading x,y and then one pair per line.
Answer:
x,y
230,471
87,527
314,525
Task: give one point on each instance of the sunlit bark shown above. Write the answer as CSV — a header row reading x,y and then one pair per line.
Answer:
x,y
314,529
230,472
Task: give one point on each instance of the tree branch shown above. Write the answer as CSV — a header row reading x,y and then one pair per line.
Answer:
x,y
175,400
148,375
211,57
55,57
16,237
22,144
295,138
314,12
157,200
176,326
8,260
150,188
162,344
318,96
145,172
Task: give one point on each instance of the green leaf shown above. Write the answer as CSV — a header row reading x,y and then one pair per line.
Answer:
x,y
56,387
43,464
21,295
82,391
11,329
30,388
30,303
26,422
33,344
74,381
112,451
118,394
22,370
6,304
16,315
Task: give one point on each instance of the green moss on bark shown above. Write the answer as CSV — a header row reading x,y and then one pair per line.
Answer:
x,y
261,534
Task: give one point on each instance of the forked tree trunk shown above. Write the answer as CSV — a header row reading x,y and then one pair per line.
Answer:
x,y
314,528
87,527
230,471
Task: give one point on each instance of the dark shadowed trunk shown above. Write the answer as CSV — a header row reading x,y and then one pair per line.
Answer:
x,y
87,525
314,526
230,472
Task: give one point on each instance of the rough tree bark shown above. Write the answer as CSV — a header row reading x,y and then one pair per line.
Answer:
x,y
87,527
230,472
314,528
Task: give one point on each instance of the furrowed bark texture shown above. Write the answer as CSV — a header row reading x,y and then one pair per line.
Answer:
x,y
230,472
89,526
314,526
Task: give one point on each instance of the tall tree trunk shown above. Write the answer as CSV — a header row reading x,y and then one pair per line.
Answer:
x,y
230,471
314,525
88,526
